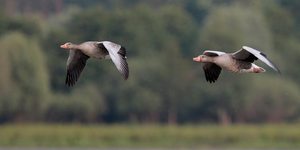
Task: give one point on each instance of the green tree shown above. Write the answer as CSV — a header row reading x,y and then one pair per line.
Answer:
x,y
83,104
25,79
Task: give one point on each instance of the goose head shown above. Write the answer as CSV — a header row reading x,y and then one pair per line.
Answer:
x,y
202,58
68,45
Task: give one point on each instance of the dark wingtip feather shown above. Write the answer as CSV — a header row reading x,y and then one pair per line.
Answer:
x,y
209,76
122,52
69,81
125,77
75,68
277,69
279,72
126,74
263,54
124,69
212,72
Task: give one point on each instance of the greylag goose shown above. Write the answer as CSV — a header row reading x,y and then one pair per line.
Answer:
x,y
240,61
80,53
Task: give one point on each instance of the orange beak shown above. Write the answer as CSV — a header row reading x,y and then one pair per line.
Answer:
x,y
198,59
64,46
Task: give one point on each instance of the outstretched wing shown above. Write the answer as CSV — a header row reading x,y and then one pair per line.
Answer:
x,y
117,54
75,64
212,72
213,53
250,55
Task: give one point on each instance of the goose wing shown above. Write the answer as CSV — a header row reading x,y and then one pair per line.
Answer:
x,y
250,55
117,54
211,71
213,53
75,64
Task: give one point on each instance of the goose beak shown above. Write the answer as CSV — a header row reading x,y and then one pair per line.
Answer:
x,y
63,46
197,59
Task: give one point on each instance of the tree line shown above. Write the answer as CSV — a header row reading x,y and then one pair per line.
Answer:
x,y
165,85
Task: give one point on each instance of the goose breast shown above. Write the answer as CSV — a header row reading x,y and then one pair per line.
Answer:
x,y
91,49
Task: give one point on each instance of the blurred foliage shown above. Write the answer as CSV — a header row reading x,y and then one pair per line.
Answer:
x,y
229,27
161,37
25,84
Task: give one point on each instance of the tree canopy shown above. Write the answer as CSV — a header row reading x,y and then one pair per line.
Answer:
x,y
161,37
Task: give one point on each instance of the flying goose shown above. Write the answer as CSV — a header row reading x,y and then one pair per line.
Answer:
x,y
239,62
80,53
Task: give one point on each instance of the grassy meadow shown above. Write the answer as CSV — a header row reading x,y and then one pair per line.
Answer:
x,y
163,136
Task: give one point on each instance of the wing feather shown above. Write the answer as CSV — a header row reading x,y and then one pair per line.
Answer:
x,y
249,54
75,64
213,53
117,54
211,71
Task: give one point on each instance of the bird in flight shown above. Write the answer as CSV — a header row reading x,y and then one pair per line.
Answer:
x,y
240,61
80,53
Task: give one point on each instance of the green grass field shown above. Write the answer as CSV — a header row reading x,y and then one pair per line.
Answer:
x,y
189,136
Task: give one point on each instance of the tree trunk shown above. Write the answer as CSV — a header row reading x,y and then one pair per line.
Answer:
x,y
224,118
172,117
